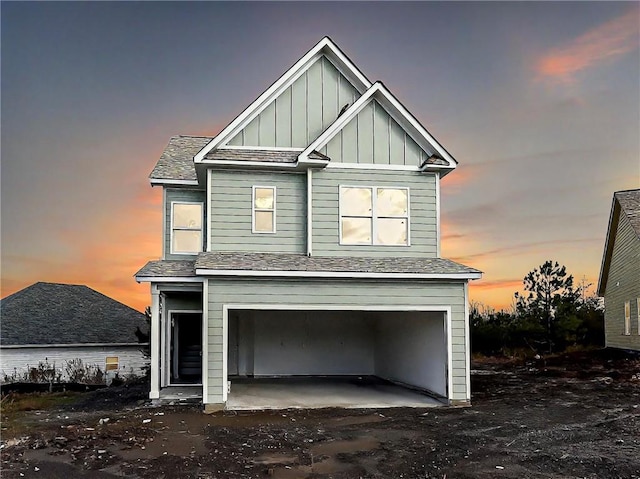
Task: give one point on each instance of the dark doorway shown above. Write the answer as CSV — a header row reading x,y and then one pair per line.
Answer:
x,y
186,348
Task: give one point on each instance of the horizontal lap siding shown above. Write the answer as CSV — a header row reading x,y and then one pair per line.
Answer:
x,y
180,194
231,203
19,360
623,284
422,221
343,293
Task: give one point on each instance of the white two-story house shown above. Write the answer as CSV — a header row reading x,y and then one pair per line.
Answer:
x,y
304,240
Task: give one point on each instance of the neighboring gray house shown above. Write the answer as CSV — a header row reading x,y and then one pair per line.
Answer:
x,y
56,323
619,282
304,239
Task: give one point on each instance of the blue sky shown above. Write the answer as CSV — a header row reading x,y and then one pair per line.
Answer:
x,y
539,102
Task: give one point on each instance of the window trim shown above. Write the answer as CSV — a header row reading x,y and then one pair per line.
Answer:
x,y
253,210
374,217
172,229
627,318
638,311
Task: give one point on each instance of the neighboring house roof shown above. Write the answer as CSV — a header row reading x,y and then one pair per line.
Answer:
x,y
281,264
267,156
176,162
51,313
625,203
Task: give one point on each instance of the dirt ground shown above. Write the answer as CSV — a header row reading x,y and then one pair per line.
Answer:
x,y
576,415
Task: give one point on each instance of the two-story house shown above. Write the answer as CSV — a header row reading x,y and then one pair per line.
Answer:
x,y
304,240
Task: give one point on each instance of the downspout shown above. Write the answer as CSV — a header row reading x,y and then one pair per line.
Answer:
x,y
309,212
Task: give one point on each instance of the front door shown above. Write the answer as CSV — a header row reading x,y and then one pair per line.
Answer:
x,y
186,348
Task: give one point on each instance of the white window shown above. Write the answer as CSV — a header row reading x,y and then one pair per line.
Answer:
x,y
374,216
186,228
627,317
263,217
638,311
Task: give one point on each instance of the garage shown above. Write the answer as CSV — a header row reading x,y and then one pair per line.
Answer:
x,y
278,358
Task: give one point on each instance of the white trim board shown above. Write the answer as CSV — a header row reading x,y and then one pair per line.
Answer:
x,y
155,181
336,274
73,345
324,47
396,110
323,307
169,279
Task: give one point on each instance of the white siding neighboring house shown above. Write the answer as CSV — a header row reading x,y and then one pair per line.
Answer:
x,y
620,273
57,323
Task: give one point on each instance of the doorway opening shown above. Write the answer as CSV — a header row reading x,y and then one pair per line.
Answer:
x,y
186,348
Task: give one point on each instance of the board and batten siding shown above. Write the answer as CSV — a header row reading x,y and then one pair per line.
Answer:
x,y
326,216
20,360
374,137
302,111
333,292
181,194
623,284
231,203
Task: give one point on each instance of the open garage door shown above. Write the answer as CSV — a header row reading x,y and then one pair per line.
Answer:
x,y
408,348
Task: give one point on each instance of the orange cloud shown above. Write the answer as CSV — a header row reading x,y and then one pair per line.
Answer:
x,y
603,43
104,258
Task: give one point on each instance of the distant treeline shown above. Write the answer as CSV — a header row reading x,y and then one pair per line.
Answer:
x,y
550,317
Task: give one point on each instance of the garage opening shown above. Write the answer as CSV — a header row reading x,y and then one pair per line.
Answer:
x,y
336,358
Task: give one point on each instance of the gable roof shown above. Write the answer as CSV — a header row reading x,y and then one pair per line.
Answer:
x,y
399,113
175,165
324,47
51,313
625,203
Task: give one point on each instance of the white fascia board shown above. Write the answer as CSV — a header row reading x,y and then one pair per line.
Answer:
x,y
325,46
73,345
168,279
297,166
608,246
336,274
398,112
156,181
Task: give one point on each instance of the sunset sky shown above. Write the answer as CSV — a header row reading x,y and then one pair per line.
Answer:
x,y
539,103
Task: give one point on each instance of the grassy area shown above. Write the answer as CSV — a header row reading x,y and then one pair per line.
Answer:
x,y
14,403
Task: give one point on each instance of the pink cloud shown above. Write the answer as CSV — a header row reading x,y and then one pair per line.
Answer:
x,y
599,45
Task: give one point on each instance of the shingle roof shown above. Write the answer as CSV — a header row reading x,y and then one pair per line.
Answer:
x,y
268,156
50,313
301,262
167,268
176,161
630,203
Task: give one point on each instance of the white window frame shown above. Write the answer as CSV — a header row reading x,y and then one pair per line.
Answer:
x,y
627,318
253,210
638,311
172,229
374,217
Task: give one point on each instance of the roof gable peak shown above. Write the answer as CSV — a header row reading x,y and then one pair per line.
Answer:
x,y
325,47
378,92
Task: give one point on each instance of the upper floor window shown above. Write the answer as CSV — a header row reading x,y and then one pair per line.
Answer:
x,y
186,228
374,216
627,317
264,209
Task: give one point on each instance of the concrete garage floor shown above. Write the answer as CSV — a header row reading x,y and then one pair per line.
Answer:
x,y
320,392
